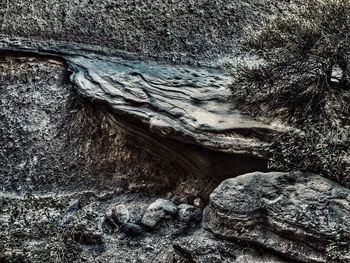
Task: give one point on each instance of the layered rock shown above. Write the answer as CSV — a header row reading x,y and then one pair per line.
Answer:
x,y
50,139
183,113
302,216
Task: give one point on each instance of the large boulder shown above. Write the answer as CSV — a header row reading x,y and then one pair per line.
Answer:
x,y
302,216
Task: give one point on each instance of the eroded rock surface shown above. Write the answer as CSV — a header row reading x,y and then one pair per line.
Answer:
x,y
298,215
52,140
190,104
180,112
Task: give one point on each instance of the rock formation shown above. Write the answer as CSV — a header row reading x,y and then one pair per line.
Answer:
x,y
298,215
170,109
109,148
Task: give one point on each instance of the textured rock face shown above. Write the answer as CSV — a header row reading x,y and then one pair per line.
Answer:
x,y
300,216
170,29
50,140
190,104
180,112
86,236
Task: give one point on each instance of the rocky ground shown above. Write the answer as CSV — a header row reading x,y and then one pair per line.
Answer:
x,y
78,186
75,189
53,140
111,227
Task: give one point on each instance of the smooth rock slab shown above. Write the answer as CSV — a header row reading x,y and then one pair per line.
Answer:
x,y
299,215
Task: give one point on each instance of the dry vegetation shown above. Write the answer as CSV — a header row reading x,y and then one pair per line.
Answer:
x,y
303,70
302,76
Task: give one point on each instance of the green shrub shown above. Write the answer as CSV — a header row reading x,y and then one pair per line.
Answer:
x,y
303,68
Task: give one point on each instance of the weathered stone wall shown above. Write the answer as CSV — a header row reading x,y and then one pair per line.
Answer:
x,y
180,30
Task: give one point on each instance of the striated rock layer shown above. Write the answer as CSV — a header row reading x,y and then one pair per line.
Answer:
x,y
301,216
178,111
52,140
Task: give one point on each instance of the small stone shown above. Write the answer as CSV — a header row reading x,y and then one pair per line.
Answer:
x,y
74,206
167,205
131,229
149,248
198,203
188,213
119,214
152,217
157,211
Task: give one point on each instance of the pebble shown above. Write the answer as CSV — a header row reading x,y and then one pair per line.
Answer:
x,y
198,203
120,214
188,213
157,212
166,205
152,217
